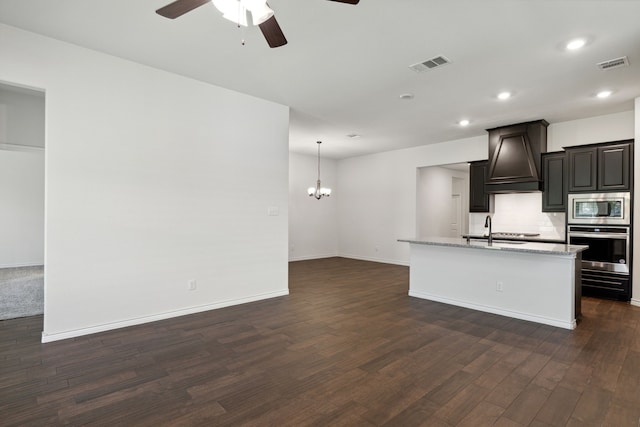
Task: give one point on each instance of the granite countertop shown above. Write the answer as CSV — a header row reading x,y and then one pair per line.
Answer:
x,y
502,245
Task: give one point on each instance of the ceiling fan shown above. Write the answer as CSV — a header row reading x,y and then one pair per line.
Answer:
x,y
236,11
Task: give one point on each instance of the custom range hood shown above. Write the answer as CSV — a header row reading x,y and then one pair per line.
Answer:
x,y
514,157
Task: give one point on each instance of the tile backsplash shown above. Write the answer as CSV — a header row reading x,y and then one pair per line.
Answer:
x,y
520,212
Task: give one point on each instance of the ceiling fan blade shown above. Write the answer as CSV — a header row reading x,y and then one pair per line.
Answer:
x,y
179,8
347,1
273,33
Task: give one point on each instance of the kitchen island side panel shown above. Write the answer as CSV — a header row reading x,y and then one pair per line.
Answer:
x,y
534,287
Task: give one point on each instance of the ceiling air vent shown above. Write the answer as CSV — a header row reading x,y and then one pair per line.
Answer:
x,y
614,63
429,64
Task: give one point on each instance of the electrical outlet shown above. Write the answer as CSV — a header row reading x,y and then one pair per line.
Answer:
x,y
499,286
193,284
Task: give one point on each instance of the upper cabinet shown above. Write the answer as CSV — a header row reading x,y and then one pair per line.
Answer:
x,y
554,174
479,200
614,166
583,168
600,167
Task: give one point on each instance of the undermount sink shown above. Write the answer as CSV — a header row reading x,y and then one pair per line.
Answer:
x,y
497,244
502,242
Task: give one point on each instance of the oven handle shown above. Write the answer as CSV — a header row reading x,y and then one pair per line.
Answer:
x,y
597,235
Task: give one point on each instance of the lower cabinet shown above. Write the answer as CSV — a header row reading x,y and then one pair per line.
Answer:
x,y
606,285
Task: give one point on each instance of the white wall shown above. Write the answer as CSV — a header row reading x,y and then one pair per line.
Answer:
x,y
370,222
21,208
152,180
434,199
21,116
611,127
378,197
312,222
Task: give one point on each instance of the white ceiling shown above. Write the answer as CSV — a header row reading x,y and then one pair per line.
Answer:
x,y
345,66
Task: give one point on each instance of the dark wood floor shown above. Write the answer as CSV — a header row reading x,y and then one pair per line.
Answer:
x,y
346,347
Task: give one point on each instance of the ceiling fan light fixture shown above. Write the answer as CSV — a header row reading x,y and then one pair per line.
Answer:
x,y
261,15
232,10
236,11
260,12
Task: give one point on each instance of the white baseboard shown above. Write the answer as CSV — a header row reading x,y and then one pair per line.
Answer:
x,y
635,302
496,310
17,147
381,260
161,316
310,257
373,259
22,264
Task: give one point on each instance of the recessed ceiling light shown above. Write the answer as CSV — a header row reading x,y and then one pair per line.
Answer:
x,y
504,95
406,96
464,122
604,94
353,135
576,44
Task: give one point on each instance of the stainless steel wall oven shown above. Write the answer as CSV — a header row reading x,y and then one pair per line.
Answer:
x,y
603,222
608,247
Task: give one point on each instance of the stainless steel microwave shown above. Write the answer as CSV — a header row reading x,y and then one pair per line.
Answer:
x,y
599,208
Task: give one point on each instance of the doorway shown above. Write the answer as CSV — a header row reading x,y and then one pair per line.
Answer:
x,y
22,137
442,203
456,213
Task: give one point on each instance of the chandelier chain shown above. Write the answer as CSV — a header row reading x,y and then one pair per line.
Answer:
x,y
318,160
318,191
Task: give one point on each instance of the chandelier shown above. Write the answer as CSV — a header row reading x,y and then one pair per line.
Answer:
x,y
236,10
318,191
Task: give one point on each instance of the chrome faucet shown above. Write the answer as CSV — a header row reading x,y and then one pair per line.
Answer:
x,y
487,223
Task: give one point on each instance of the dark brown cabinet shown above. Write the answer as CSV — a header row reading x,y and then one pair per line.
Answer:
x,y
613,167
583,169
600,167
610,286
554,175
478,197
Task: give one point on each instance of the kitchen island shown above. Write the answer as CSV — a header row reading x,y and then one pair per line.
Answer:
x,y
539,282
